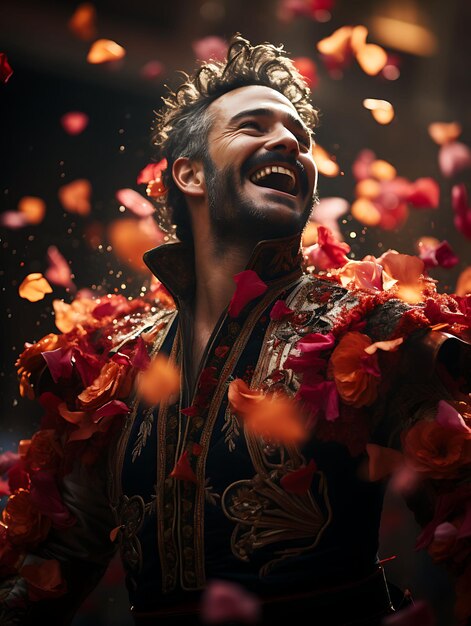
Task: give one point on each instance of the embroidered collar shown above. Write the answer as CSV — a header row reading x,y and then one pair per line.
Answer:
x,y
173,263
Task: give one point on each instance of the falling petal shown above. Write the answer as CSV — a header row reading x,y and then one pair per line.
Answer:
x,y
309,237
448,417
152,172
34,209
362,164
308,70
326,164
133,201
152,70
424,193
461,209
74,122
382,461
463,284
337,45
58,271
210,48
227,602
371,58
280,311
248,287
183,469
75,196
82,22
368,188
453,158
5,68
328,211
299,481
131,237
366,212
159,381
443,132
34,287
105,50
13,220
382,170
381,110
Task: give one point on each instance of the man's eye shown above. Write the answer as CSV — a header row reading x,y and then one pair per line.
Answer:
x,y
251,124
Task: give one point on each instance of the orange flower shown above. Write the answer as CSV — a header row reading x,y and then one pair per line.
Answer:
x,y
356,383
275,417
159,381
44,451
30,361
436,451
25,524
114,381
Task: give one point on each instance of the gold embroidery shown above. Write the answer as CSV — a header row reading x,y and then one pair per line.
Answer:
x,y
231,426
145,429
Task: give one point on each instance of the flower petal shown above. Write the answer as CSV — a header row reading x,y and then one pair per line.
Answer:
x,y
159,381
183,469
210,48
136,203
58,271
280,311
34,287
248,287
448,417
34,209
5,68
104,51
461,209
75,196
299,481
453,158
74,122
82,22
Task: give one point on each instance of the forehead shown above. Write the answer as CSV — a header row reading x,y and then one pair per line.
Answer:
x,y
248,98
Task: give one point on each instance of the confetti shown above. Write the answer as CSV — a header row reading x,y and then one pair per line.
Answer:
x,y
34,287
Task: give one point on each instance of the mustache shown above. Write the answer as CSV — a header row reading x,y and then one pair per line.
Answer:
x,y
270,157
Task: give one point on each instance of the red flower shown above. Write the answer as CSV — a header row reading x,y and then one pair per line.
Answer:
x,y
249,286
327,253
300,480
183,469
280,311
5,68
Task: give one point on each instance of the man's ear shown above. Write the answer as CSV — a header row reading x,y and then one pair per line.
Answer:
x,y
189,177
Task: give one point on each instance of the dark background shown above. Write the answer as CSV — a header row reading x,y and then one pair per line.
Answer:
x,y
51,77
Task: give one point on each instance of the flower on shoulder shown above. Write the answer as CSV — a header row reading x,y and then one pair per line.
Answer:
x,y
327,253
44,451
24,523
354,371
31,361
436,451
114,381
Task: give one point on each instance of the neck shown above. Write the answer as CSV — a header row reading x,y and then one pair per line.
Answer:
x,y
215,268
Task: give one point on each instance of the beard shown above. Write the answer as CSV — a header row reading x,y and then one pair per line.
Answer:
x,y
235,218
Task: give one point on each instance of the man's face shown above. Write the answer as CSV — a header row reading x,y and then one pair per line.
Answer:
x,y
260,175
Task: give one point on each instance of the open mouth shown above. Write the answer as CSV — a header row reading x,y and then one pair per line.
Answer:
x,y
276,177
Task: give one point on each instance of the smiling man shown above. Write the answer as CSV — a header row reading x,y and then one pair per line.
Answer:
x,y
264,467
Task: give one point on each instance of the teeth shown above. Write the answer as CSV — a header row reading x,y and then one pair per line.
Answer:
x,y
272,169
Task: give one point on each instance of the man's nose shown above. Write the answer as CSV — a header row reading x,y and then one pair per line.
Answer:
x,y
282,139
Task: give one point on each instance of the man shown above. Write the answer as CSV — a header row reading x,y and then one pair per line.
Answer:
x,y
261,467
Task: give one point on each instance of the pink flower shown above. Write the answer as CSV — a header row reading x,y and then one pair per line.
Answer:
x,y
224,602
462,210
299,481
327,253
280,311
249,286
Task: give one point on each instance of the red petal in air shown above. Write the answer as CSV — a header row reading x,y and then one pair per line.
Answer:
x,y
300,480
249,286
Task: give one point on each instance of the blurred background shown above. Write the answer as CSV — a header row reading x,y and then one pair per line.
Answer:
x,y
79,84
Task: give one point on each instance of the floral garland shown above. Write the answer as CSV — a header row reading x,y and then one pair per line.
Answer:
x,y
83,393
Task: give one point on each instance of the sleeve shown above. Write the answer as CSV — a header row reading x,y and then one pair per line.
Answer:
x,y
428,420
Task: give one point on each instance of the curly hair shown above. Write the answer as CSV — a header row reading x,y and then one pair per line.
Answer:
x,y
181,127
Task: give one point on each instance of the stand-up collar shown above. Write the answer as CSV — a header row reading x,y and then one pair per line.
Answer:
x,y
173,263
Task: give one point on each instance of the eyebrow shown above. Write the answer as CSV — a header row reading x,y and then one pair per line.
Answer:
x,y
261,112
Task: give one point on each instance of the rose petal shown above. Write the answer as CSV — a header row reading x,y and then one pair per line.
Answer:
x,y
34,287
280,311
448,417
183,469
5,68
210,48
299,481
387,346
443,132
131,237
159,381
46,497
381,110
453,158
13,220
248,287
59,363
152,171
82,22
463,284
424,193
104,51
326,164
361,166
308,70
371,58
328,211
74,122
461,209
136,203
152,70
58,271
34,209
224,602
75,196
